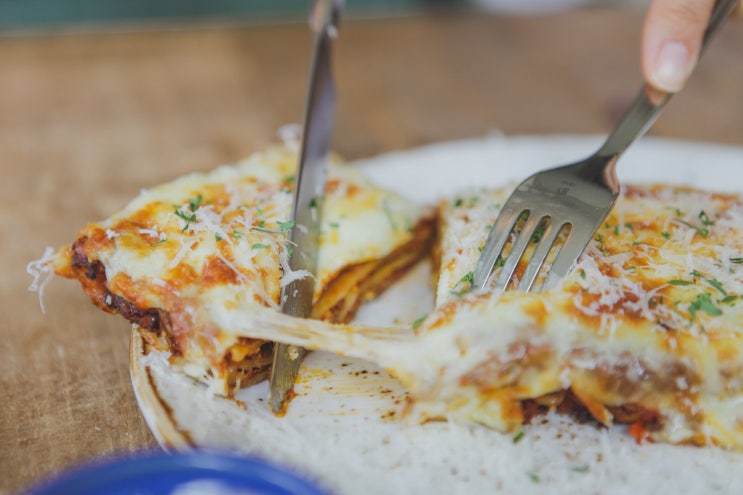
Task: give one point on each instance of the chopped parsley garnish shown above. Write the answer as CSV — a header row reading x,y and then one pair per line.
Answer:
x,y
704,232
679,282
465,280
258,245
471,201
418,322
737,261
705,219
237,234
194,203
703,302
519,436
717,285
538,234
283,227
614,228
665,235
729,299
676,210
186,218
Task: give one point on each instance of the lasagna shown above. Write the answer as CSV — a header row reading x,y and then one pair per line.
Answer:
x,y
190,261
646,331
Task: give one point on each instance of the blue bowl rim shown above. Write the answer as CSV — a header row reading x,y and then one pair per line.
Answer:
x,y
248,471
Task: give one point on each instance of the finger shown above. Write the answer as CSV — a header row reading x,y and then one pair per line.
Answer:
x,y
672,38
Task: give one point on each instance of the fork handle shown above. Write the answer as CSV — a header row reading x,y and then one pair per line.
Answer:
x,y
649,102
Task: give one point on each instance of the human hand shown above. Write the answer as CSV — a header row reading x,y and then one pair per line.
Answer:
x,y
671,41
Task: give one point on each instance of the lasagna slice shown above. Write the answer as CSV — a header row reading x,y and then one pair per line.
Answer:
x,y
647,329
189,260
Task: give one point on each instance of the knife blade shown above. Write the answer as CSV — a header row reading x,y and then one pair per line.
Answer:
x,y
297,295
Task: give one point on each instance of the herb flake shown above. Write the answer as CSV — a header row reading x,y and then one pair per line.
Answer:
x,y
418,322
703,231
703,302
465,280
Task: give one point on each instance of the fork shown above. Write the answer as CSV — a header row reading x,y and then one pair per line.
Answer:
x,y
573,198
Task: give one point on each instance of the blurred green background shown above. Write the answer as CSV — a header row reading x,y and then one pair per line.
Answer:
x,y
35,14
25,15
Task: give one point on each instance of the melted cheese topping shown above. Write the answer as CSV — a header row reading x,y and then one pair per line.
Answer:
x,y
207,244
647,329
651,315
665,254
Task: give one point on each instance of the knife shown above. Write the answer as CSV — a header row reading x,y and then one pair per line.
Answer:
x,y
296,296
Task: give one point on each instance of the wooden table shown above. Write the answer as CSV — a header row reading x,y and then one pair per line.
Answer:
x,y
87,120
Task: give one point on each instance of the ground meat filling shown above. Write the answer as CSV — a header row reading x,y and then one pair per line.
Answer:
x,y
155,321
641,420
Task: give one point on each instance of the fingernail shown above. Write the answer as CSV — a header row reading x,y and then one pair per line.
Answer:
x,y
671,67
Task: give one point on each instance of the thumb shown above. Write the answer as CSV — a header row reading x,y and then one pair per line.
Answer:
x,y
671,41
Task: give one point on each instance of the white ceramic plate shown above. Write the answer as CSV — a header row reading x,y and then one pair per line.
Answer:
x,y
346,429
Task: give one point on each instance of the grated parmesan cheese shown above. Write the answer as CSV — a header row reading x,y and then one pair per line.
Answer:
x,y
186,245
42,272
288,276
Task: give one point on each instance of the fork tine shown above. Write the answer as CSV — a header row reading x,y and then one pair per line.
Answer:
x,y
517,251
497,239
569,253
540,254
